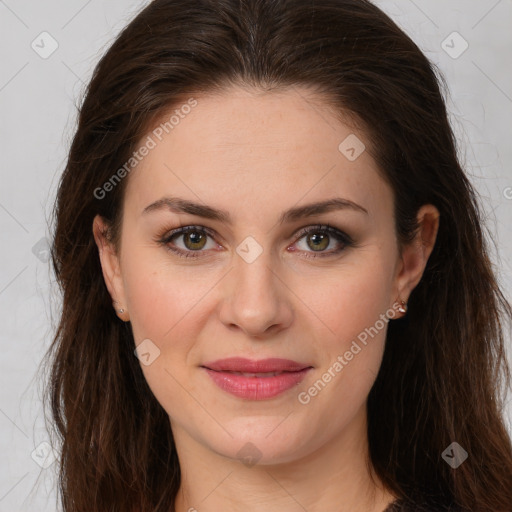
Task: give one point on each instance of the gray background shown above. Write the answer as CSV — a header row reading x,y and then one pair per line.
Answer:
x,y
37,104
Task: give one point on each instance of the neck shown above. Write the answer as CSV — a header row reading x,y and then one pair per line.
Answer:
x,y
336,477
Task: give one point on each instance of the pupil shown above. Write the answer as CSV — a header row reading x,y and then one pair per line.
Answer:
x,y
194,238
318,240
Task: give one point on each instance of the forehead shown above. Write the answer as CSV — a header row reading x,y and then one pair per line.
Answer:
x,y
245,150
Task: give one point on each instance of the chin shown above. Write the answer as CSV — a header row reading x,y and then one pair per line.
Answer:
x,y
262,440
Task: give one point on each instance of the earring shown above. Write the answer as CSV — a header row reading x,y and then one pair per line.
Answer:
x,y
121,310
403,307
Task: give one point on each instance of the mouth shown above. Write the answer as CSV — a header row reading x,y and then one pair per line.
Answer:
x,y
257,375
258,367
256,380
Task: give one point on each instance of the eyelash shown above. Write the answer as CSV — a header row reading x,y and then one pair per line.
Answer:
x,y
165,238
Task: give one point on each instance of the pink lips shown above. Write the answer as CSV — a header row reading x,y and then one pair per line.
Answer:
x,y
256,380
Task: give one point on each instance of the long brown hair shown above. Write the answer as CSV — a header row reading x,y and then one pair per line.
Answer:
x,y
444,371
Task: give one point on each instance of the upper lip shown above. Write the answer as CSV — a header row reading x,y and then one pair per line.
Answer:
x,y
240,364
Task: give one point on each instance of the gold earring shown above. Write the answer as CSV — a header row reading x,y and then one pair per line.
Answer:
x,y
402,308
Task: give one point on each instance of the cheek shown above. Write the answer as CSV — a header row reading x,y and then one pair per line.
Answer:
x,y
165,307
356,308
161,295
350,362
356,298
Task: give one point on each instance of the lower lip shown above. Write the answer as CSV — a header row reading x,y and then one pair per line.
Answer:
x,y
256,388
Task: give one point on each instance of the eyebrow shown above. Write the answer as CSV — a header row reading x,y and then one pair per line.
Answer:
x,y
179,205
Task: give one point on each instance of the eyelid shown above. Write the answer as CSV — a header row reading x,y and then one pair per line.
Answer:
x,y
168,234
324,227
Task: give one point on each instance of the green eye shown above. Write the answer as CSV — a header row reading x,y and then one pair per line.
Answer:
x,y
195,239
318,239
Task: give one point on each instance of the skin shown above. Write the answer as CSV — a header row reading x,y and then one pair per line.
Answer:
x,y
255,155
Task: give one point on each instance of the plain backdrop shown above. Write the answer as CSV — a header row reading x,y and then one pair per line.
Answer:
x,y
469,40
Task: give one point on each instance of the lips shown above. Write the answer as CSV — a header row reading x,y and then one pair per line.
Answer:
x,y
263,366
256,380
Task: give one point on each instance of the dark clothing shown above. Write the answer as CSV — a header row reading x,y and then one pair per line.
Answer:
x,y
402,505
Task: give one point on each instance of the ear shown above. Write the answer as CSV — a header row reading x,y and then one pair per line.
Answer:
x,y
111,266
415,254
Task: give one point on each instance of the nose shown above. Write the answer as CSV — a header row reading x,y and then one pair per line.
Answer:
x,y
256,299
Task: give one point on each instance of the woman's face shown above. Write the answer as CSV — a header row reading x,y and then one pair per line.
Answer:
x,y
261,280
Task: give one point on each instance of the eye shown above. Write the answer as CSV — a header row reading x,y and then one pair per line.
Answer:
x,y
318,238
195,239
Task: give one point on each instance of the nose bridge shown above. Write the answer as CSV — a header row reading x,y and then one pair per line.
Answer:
x,y
256,297
255,279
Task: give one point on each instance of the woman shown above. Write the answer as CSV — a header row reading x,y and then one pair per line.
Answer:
x,y
276,291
